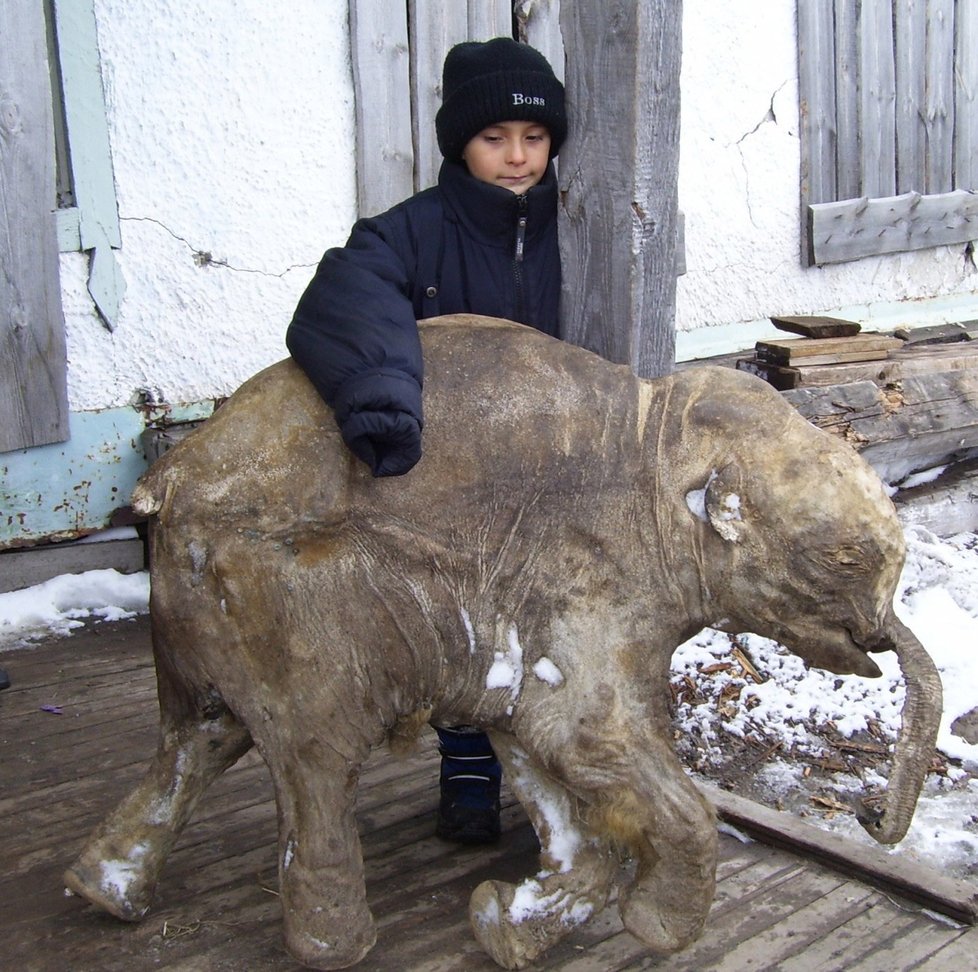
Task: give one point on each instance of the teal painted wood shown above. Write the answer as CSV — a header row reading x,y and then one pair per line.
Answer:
x,y
91,158
58,492
33,379
69,232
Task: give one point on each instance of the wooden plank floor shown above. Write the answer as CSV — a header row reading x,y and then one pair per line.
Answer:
x,y
216,907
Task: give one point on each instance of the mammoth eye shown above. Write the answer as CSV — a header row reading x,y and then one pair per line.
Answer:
x,y
848,559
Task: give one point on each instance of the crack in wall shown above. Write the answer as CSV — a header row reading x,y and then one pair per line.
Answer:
x,y
204,258
769,116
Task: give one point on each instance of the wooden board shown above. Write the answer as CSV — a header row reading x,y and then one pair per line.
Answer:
x,y
869,862
939,333
902,363
861,347
817,327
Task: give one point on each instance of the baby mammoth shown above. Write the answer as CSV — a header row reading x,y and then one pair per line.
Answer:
x,y
568,527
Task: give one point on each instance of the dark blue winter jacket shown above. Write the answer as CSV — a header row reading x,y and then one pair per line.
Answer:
x,y
464,246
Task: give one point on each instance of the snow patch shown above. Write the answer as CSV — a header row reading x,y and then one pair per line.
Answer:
x,y
119,874
469,629
506,670
63,603
548,672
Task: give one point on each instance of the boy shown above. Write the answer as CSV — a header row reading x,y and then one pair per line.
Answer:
x,y
483,241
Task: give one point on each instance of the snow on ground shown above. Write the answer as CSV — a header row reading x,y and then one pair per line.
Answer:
x,y
66,602
797,712
794,706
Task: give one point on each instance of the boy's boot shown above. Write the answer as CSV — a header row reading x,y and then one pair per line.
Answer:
x,y
470,774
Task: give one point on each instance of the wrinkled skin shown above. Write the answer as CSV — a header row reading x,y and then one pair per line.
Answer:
x,y
564,510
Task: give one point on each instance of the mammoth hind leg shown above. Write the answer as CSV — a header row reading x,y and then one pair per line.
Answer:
x,y
199,738
327,921
517,923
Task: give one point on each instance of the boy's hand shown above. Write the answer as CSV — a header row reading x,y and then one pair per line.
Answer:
x,y
388,442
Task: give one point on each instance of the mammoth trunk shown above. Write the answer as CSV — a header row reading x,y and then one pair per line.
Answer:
x,y
918,735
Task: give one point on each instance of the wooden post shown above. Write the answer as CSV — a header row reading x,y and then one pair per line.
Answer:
x,y
618,179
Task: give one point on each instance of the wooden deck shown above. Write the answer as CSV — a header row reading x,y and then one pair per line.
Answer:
x,y
216,907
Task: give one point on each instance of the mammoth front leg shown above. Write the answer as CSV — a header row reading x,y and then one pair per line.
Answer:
x,y
671,831
515,924
199,738
616,755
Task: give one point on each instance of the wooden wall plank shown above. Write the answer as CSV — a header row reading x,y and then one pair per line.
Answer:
x,y
490,18
877,95
847,100
33,380
539,26
816,48
910,30
435,27
966,97
856,228
381,76
939,105
621,161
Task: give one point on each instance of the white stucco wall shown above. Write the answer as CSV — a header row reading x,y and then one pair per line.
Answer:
x,y
739,189
231,127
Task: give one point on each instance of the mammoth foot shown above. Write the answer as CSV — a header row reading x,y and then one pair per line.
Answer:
x,y
667,913
328,938
515,924
120,883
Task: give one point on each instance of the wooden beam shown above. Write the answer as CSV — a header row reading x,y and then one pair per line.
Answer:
x,y
870,863
862,227
922,421
618,180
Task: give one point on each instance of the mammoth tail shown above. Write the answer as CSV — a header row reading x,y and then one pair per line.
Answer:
x,y
150,492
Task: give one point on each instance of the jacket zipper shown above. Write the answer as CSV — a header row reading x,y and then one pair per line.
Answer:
x,y
521,218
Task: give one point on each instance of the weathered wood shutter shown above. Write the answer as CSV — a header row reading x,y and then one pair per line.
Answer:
x,y
33,380
398,50
889,125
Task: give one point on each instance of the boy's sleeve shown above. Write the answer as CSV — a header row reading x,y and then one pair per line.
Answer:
x,y
355,335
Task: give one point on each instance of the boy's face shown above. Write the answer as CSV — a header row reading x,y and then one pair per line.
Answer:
x,y
511,154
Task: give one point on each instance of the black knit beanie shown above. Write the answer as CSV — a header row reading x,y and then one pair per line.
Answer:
x,y
495,81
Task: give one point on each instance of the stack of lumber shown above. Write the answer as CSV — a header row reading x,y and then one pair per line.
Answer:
x,y
834,352
907,401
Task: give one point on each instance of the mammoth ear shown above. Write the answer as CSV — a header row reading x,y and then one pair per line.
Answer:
x,y
724,507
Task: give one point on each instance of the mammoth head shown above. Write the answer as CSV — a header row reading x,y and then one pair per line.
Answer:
x,y
799,542
808,554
